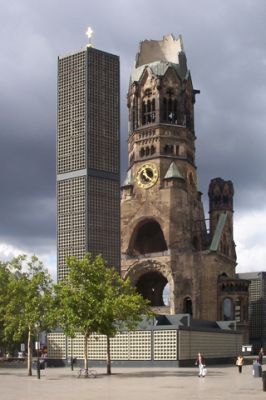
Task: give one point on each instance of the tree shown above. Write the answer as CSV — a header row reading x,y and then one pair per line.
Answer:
x,y
29,301
95,299
122,307
5,276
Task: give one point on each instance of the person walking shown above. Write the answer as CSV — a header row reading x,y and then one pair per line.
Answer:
x,y
201,365
260,356
240,363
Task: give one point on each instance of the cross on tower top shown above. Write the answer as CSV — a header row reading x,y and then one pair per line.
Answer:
x,y
89,33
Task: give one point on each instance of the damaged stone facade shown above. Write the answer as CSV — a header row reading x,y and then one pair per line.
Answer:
x,y
166,239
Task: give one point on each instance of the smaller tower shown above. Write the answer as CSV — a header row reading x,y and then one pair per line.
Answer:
x,y
221,211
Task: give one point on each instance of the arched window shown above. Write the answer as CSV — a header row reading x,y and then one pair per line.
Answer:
x,y
148,113
225,199
227,309
149,239
153,109
151,286
135,113
196,243
168,149
170,116
148,108
187,306
169,106
175,112
152,149
224,274
164,113
144,111
142,152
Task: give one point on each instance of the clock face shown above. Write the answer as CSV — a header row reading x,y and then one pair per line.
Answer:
x,y
147,176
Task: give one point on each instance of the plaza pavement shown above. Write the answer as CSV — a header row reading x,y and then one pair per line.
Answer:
x,y
221,383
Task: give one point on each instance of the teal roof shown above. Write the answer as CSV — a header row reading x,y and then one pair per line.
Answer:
x,y
173,172
218,232
129,179
158,68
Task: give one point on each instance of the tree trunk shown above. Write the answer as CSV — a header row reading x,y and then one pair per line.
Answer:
x,y
29,354
86,337
108,356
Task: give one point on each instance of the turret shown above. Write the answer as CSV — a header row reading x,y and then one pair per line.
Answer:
x,y
221,194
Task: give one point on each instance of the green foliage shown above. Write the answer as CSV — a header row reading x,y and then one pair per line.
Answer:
x,y
29,294
5,276
25,300
95,299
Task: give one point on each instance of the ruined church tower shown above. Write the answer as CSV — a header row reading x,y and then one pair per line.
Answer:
x,y
165,237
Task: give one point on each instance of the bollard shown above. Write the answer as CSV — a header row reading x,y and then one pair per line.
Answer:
x,y
264,380
38,369
257,370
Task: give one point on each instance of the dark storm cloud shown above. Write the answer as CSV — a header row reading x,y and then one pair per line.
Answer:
x,y
229,67
27,131
28,186
225,47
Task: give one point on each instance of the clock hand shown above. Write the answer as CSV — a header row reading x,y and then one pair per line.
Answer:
x,y
146,175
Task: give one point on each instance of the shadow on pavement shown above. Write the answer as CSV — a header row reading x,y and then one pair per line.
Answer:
x,y
117,375
152,374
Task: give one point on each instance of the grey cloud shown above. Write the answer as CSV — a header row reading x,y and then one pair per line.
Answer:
x,y
225,47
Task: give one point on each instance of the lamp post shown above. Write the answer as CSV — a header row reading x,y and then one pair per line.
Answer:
x,y
72,359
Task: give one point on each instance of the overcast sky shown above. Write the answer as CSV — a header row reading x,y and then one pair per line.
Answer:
x,y
225,44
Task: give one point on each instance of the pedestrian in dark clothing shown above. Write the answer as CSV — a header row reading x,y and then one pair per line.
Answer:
x,y
260,356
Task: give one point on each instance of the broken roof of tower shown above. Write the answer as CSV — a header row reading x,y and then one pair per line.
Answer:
x,y
159,55
159,50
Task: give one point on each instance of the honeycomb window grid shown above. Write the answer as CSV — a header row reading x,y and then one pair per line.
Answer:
x,y
165,345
